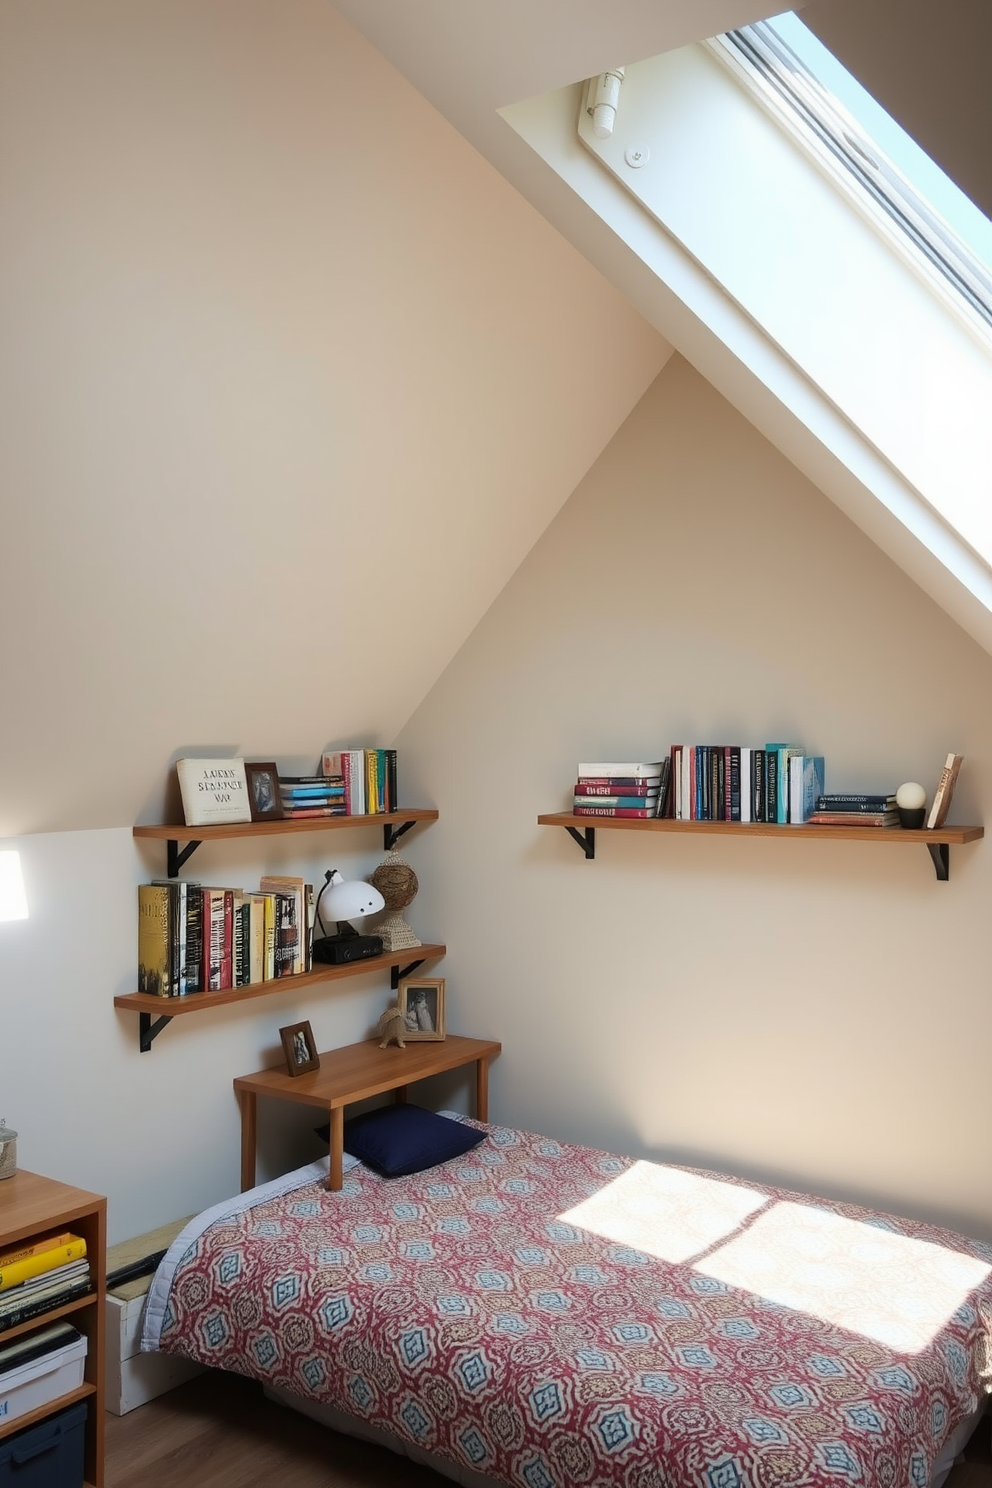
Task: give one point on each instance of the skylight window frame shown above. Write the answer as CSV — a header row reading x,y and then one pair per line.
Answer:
x,y
781,83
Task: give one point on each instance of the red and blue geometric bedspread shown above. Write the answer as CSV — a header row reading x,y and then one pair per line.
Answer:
x,y
555,1316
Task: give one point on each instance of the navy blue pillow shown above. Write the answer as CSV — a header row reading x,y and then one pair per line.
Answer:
x,y
400,1139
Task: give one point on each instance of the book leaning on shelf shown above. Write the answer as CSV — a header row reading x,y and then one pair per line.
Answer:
x,y
940,805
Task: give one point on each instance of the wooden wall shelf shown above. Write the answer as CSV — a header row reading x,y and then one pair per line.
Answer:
x,y
394,825
156,1013
583,830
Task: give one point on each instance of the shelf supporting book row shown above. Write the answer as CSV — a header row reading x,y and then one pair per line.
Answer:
x,y
153,1017
938,841
180,845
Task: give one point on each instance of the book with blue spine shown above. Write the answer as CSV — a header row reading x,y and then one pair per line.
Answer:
x,y
783,752
806,778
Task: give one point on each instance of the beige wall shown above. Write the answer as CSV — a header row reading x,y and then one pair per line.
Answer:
x,y
290,380
813,1013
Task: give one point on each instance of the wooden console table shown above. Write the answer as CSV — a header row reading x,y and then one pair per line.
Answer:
x,y
352,1074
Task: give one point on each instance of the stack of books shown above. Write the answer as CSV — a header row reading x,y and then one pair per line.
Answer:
x,y
621,788
305,796
368,777
41,1275
201,938
855,811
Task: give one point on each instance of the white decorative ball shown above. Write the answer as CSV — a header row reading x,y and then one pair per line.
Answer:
x,y
911,796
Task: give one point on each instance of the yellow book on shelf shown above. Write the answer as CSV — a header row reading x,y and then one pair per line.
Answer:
x,y
35,1247
45,1260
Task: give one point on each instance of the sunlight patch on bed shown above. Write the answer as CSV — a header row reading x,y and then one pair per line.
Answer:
x,y
870,1281
664,1212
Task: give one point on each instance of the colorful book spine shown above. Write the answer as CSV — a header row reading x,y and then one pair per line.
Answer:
x,y
642,803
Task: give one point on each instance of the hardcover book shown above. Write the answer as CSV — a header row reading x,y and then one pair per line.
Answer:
x,y
610,770
154,949
213,791
945,790
805,786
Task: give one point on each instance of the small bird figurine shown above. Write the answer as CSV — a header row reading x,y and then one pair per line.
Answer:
x,y
391,1026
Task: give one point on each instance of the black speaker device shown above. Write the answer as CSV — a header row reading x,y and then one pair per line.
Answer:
x,y
339,950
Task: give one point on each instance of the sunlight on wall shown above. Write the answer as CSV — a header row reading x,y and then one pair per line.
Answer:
x,y
13,900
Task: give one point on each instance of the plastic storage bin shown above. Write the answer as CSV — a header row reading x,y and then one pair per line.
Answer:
x,y
49,1455
34,1384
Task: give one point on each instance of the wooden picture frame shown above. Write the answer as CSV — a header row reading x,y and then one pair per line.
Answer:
x,y
421,1001
263,792
299,1049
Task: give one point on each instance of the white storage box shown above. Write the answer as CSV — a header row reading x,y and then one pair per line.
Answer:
x,y
132,1377
29,1386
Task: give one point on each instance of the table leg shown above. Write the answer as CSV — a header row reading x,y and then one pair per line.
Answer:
x,y
482,1089
399,1095
335,1177
249,1136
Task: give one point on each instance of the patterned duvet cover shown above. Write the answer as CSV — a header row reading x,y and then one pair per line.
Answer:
x,y
551,1315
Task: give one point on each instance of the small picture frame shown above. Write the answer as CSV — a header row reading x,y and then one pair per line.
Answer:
x,y
264,799
421,1001
299,1049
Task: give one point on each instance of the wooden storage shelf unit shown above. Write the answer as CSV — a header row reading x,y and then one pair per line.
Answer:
x,y
583,829
155,1013
31,1206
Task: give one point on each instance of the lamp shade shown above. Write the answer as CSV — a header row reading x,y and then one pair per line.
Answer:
x,y
348,899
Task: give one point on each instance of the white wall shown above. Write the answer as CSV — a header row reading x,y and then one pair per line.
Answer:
x,y
290,380
158,1132
813,1013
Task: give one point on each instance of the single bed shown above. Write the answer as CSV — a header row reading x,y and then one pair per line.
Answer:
x,y
544,1315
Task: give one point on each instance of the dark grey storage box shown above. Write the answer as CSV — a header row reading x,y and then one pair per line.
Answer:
x,y
49,1455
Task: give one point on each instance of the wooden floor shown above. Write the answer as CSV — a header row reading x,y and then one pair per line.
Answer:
x,y
219,1431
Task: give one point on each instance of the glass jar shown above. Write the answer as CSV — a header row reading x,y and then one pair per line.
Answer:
x,y
8,1150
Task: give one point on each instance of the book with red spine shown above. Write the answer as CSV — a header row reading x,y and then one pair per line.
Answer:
x,y
617,787
644,815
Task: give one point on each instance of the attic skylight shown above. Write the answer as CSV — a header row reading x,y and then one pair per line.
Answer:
x,y
865,150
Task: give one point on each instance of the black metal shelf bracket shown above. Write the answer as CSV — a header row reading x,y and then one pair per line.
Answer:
x,y
148,1030
940,852
391,833
175,859
586,840
397,973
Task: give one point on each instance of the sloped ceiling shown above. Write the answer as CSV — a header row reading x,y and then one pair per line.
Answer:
x,y
292,381
471,60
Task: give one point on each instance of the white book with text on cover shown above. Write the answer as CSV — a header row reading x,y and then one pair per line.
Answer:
x,y
213,791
